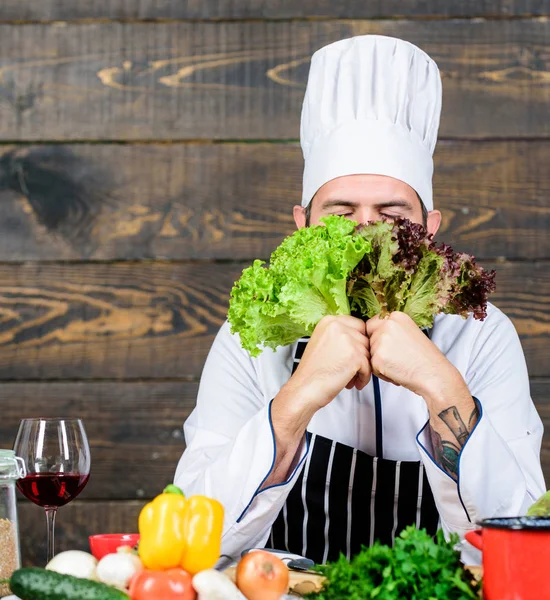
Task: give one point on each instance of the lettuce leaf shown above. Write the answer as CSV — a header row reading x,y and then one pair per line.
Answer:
x,y
256,313
405,271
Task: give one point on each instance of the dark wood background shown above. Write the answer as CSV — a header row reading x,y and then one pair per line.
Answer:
x,y
148,151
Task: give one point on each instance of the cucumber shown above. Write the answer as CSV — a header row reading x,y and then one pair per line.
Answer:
x,y
40,584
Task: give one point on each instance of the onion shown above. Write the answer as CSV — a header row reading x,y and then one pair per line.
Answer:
x,y
75,563
118,568
262,576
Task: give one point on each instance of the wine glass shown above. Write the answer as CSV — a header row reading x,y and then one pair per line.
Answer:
x,y
57,458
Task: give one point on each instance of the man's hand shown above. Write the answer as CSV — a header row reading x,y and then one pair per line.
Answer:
x,y
336,356
403,355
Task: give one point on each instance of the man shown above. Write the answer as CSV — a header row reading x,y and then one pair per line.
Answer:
x,y
326,445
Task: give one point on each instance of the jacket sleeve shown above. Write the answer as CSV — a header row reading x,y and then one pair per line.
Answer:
x,y
230,447
499,470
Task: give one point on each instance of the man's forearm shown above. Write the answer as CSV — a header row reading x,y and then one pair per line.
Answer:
x,y
290,417
453,415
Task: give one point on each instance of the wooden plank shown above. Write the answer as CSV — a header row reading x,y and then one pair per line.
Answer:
x,y
245,80
74,523
157,320
126,320
53,10
220,201
147,201
134,428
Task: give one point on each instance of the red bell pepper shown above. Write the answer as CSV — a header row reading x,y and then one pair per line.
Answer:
x,y
162,585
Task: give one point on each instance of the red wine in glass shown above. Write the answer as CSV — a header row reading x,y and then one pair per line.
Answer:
x,y
52,489
57,458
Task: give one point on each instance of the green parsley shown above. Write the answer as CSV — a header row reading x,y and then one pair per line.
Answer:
x,y
416,568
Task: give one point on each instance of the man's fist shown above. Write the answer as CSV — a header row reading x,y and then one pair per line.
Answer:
x,y
337,356
402,354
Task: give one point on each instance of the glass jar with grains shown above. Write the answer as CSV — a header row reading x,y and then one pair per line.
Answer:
x,y
12,468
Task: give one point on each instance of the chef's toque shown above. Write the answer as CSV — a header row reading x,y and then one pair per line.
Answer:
x,y
372,106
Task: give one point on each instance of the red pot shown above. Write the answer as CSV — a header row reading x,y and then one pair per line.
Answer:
x,y
516,557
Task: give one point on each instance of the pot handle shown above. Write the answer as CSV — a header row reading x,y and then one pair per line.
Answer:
x,y
475,538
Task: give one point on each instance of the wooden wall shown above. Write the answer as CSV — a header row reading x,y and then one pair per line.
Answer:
x,y
148,150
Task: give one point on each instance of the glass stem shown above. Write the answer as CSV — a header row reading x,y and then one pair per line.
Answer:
x,y
50,519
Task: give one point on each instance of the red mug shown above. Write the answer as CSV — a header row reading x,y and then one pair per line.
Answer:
x,y
516,557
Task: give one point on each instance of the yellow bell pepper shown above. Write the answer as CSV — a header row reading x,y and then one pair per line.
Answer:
x,y
179,532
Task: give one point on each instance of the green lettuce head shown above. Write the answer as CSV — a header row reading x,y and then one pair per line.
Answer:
x,y
339,268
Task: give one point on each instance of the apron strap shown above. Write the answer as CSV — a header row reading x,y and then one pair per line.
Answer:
x,y
298,353
378,416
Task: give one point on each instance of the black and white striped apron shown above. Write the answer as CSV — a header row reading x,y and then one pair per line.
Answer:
x,y
345,498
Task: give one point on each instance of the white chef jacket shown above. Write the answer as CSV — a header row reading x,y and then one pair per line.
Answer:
x,y
231,448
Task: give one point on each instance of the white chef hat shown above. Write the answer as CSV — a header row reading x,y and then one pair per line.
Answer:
x,y
372,106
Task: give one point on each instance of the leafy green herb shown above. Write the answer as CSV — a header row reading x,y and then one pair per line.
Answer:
x,y
416,568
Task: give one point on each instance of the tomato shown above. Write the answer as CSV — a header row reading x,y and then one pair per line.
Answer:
x,y
162,585
262,576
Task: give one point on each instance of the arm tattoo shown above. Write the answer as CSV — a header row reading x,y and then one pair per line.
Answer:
x,y
447,451
451,417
